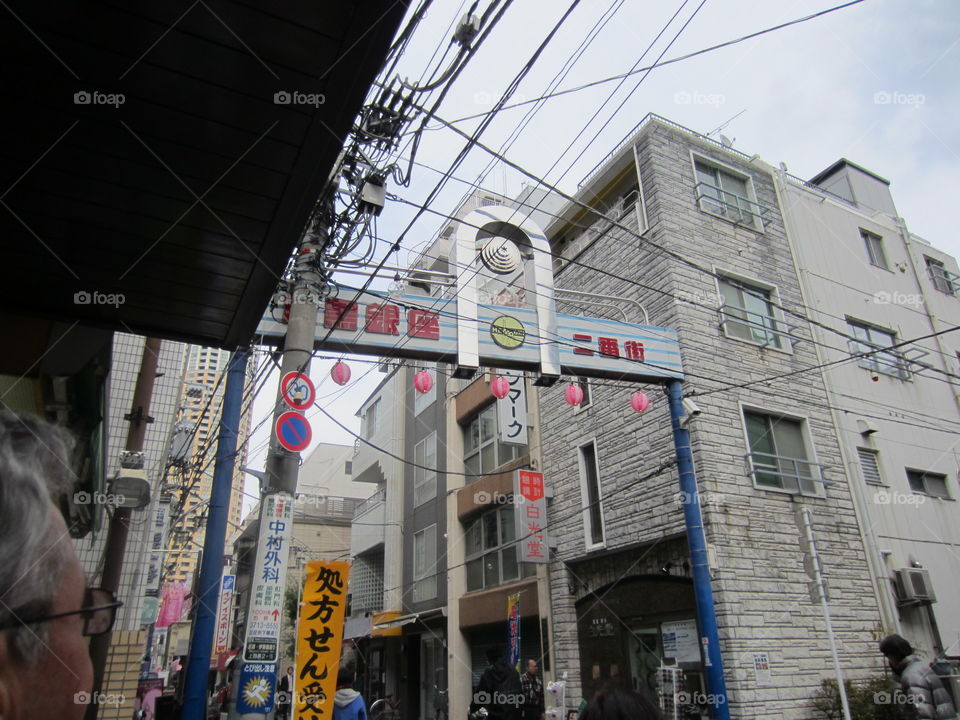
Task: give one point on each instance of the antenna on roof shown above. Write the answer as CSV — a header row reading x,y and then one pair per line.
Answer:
x,y
721,127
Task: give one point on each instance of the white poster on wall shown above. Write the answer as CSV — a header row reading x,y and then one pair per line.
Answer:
x,y
680,640
761,668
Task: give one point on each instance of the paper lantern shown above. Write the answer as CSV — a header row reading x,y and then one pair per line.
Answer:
x,y
422,382
640,402
500,387
573,394
340,373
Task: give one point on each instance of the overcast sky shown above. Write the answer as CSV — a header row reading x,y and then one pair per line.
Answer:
x,y
876,83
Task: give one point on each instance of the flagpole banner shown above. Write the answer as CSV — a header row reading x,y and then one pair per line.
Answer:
x,y
319,639
513,626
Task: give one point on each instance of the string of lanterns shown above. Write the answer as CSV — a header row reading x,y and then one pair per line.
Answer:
x,y
499,387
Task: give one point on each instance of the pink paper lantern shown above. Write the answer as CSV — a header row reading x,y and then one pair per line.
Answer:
x,y
422,382
640,402
573,394
500,387
340,373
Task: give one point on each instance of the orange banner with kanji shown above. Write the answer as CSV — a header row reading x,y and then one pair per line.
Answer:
x,y
319,639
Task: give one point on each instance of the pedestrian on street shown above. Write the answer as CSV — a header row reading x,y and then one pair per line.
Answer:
x,y
47,611
499,689
285,696
619,704
348,703
532,688
921,685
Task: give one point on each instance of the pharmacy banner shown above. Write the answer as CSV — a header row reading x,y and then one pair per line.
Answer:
x,y
319,639
513,630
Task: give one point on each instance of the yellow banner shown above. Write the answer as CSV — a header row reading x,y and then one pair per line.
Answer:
x,y
319,639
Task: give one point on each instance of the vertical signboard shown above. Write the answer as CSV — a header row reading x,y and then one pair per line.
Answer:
x,y
513,410
531,516
222,636
256,688
267,584
319,639
158,535
513,631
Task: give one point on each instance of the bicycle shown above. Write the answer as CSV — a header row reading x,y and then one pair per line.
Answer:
x,y
385,709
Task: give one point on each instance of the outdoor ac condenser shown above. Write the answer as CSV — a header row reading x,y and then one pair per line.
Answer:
x,y
914,586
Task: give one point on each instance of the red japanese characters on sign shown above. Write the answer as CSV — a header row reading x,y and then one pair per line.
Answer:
x,y
609,347
531,516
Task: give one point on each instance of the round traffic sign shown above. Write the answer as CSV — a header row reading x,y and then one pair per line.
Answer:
x,y
297,390
293,431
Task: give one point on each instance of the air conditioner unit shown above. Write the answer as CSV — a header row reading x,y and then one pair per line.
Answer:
x,y
914,586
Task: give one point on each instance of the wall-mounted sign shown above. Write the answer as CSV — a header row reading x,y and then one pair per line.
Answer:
x,y
319,638
680,640
222,636
531,516
256,689
513,411
297,390
262,636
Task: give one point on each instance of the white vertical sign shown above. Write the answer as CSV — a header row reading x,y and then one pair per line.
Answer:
x,y
513,410
267,585
158,535
222,641
530,511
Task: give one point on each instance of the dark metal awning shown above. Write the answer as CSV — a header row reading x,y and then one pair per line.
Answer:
x,y
171,153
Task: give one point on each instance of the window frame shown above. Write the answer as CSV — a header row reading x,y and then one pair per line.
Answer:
x,y
940,277
584,383
424,574
871,239
516,451
923,475
779,328
723,168
585,502
817,482
371,419
872,362
422,477
524,569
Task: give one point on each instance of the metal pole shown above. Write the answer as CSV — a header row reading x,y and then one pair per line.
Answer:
x,y
822,591
211,565
697,544
119,529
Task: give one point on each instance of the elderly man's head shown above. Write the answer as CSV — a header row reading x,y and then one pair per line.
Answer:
x,y
44,663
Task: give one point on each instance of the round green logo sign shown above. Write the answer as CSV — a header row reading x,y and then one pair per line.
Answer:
x,y
508,332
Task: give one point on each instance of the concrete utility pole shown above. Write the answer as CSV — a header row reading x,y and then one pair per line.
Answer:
x,y
211,566
116,545
261,635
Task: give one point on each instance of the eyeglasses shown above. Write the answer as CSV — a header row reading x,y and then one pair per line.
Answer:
x,y
99,611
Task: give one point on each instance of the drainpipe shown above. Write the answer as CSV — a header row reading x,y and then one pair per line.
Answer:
x,y
697,544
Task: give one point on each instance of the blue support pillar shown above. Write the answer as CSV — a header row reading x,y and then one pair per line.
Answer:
x,y
697,543
211,566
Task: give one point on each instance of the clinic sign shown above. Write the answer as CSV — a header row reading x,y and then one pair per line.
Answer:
x,y
503,314
531,516
262,638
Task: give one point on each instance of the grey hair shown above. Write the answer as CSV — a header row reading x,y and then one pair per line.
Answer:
x,y
34,468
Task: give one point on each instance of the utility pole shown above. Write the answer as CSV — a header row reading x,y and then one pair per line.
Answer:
x,y
119,528
264,612
211,565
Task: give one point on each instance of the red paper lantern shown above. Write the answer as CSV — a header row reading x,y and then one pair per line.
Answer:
x,y
422,382
340,373
573,394
640,402
500,387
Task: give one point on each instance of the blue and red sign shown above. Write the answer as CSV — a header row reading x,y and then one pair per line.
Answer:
x,y
297,390
293,431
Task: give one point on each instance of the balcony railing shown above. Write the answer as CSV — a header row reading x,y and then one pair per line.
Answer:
x,y
756,327
943,280
378,497
887,362
730,205
797,475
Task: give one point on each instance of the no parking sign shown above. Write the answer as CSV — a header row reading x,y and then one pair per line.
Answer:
x,y
293,431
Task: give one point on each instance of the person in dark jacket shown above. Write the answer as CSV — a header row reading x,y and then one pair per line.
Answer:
x,y
499,689
619,704
348,703
532,688
921,685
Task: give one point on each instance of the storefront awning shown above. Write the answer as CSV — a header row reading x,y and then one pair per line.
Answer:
x,y
398,622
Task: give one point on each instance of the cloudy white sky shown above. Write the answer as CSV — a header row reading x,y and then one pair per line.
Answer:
x,y
875,83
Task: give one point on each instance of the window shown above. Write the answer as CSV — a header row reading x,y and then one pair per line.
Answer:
x,y
425,564
875,252
348,467
778,454
869,338
371,419
748,313
928,483
943,279
591,497
424,471
723,193
492,556
869,466
483,452
584,384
